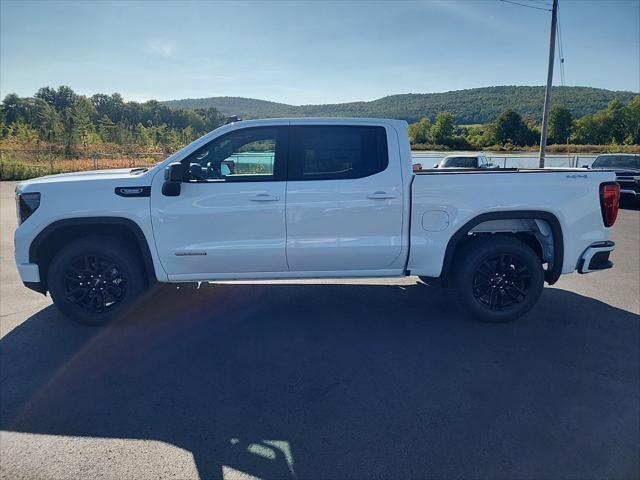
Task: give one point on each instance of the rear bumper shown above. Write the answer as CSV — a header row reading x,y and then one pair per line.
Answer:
x,y
596,257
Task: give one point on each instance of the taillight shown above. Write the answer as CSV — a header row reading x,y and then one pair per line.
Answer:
x,y
609,202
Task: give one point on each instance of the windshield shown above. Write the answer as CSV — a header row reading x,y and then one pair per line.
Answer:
x,y
460,162
624,161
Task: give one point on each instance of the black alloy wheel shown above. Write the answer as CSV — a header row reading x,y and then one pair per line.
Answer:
x,y
501,281
497,278
94,283
96,279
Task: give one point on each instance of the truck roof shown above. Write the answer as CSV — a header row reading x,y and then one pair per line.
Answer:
x,y
327,120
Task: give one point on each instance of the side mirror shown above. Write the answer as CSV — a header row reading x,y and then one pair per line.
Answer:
x,y
173,175
435,165
585,166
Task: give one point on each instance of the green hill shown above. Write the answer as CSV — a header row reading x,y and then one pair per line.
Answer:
x,y
476,105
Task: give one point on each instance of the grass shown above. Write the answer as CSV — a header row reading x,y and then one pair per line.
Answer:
x,y
15,166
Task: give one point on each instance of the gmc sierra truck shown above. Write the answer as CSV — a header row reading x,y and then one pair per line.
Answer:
x,y
310,198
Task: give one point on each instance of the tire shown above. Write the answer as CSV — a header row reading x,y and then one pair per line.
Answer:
x,y
497,278
95,279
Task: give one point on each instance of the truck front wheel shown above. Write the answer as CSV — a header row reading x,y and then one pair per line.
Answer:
x,y
95,279
497,278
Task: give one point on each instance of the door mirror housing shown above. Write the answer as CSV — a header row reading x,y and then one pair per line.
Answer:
x,y
173,172
173,175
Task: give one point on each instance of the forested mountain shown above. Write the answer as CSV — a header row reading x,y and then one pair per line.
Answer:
x,y
66,122
245,107
477,105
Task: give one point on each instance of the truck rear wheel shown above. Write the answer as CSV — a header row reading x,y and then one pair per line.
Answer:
x,y
497,278
95,279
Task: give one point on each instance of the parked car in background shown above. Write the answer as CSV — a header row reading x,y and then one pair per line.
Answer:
x,y
465,161
627,168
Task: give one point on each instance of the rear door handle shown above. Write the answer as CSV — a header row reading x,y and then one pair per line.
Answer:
x,y
381,195
264,197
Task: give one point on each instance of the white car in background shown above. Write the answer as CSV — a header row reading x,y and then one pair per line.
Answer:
x,y
465,161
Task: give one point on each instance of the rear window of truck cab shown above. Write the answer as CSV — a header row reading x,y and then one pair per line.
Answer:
x,y
329,152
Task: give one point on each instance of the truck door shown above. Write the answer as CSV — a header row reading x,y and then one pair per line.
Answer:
x,y
344,198
230,215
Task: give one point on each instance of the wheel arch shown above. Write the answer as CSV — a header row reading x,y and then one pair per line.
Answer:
x,y
458,238
57,234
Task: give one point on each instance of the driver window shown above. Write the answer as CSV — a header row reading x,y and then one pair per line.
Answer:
x,y
242,155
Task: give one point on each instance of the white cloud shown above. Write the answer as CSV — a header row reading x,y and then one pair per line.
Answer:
x,y
159,47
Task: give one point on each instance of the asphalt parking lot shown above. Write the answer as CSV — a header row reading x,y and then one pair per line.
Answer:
x,y
357,379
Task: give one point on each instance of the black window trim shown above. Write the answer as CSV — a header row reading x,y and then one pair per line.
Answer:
x,y
280,160
292,137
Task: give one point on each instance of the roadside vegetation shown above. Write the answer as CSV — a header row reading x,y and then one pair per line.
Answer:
x,y
616,128
68,123
58,130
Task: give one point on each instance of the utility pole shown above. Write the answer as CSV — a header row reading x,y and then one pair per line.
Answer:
x,y
547,92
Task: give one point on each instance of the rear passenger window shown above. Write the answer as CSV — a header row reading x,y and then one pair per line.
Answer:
x,y
337,152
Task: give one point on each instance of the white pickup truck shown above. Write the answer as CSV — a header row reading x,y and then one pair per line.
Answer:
x,y
310,198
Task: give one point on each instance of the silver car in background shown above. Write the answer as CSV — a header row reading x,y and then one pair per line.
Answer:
x,y
465,161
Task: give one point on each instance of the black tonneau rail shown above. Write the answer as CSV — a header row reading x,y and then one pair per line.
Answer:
x,y
447,171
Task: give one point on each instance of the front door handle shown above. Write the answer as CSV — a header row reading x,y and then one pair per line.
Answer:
x,y
264,197
381,195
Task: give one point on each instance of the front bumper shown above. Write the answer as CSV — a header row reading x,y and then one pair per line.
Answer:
x,y
29,272
30,276
596,257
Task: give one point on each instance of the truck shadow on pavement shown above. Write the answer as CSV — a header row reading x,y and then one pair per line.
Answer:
x,y
340,381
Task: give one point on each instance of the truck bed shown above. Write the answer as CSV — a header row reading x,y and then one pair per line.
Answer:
x,y
443,201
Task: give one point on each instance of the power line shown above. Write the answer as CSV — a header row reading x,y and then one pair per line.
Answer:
x,y
540,2
528,6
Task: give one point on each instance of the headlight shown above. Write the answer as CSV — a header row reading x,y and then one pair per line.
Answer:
x,y
26,204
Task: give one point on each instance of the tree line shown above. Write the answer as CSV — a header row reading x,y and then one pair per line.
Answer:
x,y
69,122
618,124
64,119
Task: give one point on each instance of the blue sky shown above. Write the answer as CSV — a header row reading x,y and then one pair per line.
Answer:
x,y
309,52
